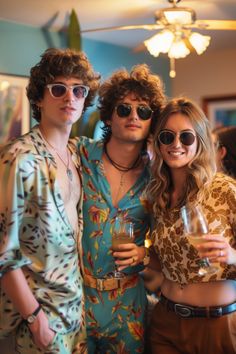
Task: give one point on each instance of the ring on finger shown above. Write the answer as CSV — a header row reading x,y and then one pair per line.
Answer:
x,y
221,253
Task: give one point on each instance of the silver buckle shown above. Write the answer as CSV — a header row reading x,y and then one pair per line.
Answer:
x,y
100,285
218,312
182,311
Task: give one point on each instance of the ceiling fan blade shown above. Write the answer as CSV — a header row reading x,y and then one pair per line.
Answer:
x,y
215,24
148,27
140,48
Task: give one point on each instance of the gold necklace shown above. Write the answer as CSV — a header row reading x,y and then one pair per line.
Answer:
x,y
66,164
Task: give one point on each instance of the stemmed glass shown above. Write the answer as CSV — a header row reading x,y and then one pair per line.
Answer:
x,y
195,226
122,232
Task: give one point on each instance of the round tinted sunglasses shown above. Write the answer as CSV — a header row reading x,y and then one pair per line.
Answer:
x,y
60,90
123,110
167,137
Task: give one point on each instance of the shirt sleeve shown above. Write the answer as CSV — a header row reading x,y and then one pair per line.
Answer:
x,y
11,213
232,212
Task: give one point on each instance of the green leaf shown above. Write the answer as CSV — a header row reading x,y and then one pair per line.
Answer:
x,y
74,37
90,126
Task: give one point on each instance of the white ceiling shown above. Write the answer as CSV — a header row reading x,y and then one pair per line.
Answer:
x,y
104,13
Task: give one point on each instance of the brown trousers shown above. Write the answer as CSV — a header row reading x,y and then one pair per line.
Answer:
x,y
169,333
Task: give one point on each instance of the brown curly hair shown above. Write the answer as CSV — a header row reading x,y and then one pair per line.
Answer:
x,y
140,81
60,62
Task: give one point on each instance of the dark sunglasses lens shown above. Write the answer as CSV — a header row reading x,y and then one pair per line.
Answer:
x,y
58,90
123,110
166,138
187,138
144,112
79,91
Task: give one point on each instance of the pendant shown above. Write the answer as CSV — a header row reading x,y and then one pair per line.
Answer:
x,y
69,174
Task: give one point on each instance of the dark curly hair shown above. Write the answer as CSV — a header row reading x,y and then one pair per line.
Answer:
x,y
60,62
140,81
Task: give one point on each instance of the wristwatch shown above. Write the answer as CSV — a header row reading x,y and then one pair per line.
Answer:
x,y
31,318
146,259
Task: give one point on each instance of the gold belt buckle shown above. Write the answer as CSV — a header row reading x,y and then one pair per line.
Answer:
x,y
100,284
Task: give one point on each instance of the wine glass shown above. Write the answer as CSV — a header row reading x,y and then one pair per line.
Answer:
x,y
195,226
122,232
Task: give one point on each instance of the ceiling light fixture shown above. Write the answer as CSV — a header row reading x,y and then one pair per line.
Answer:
x,y
176,38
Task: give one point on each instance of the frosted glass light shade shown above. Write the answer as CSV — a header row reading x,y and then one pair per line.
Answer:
x,y
160,43
179,17
178,50
199,42
175,15
173,43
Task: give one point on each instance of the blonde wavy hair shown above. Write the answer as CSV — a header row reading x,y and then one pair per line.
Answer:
x,y
201,168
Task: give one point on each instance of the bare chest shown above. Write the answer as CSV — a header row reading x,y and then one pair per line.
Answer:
x,y
120,182
70,190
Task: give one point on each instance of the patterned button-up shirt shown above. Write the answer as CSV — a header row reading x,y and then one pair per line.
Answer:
x,y
179,259
35,233
99,211
110,314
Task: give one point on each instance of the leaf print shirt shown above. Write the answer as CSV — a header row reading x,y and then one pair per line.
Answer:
x,y
35,233
99,211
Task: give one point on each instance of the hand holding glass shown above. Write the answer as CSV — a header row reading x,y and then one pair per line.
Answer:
x,y
195,226
122,233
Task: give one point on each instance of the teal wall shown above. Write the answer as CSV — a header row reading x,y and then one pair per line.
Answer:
x,y
107,57
21,47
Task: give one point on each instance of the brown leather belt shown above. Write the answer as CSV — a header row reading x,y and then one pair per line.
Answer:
x,y
103,284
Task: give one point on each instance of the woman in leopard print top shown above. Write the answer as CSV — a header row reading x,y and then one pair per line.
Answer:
x,y
195,314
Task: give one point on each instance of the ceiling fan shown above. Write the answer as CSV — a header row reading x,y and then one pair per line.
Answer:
x,y
175,36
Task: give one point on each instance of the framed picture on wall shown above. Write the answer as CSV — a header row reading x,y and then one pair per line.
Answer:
x,y
14,107
221,110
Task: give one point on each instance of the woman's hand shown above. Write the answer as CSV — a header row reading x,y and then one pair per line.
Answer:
x,y
217,249
128,254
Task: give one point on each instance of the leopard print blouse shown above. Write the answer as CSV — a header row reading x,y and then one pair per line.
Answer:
x,y
179,260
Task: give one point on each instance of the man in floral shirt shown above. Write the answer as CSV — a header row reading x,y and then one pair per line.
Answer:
x,y
115,174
